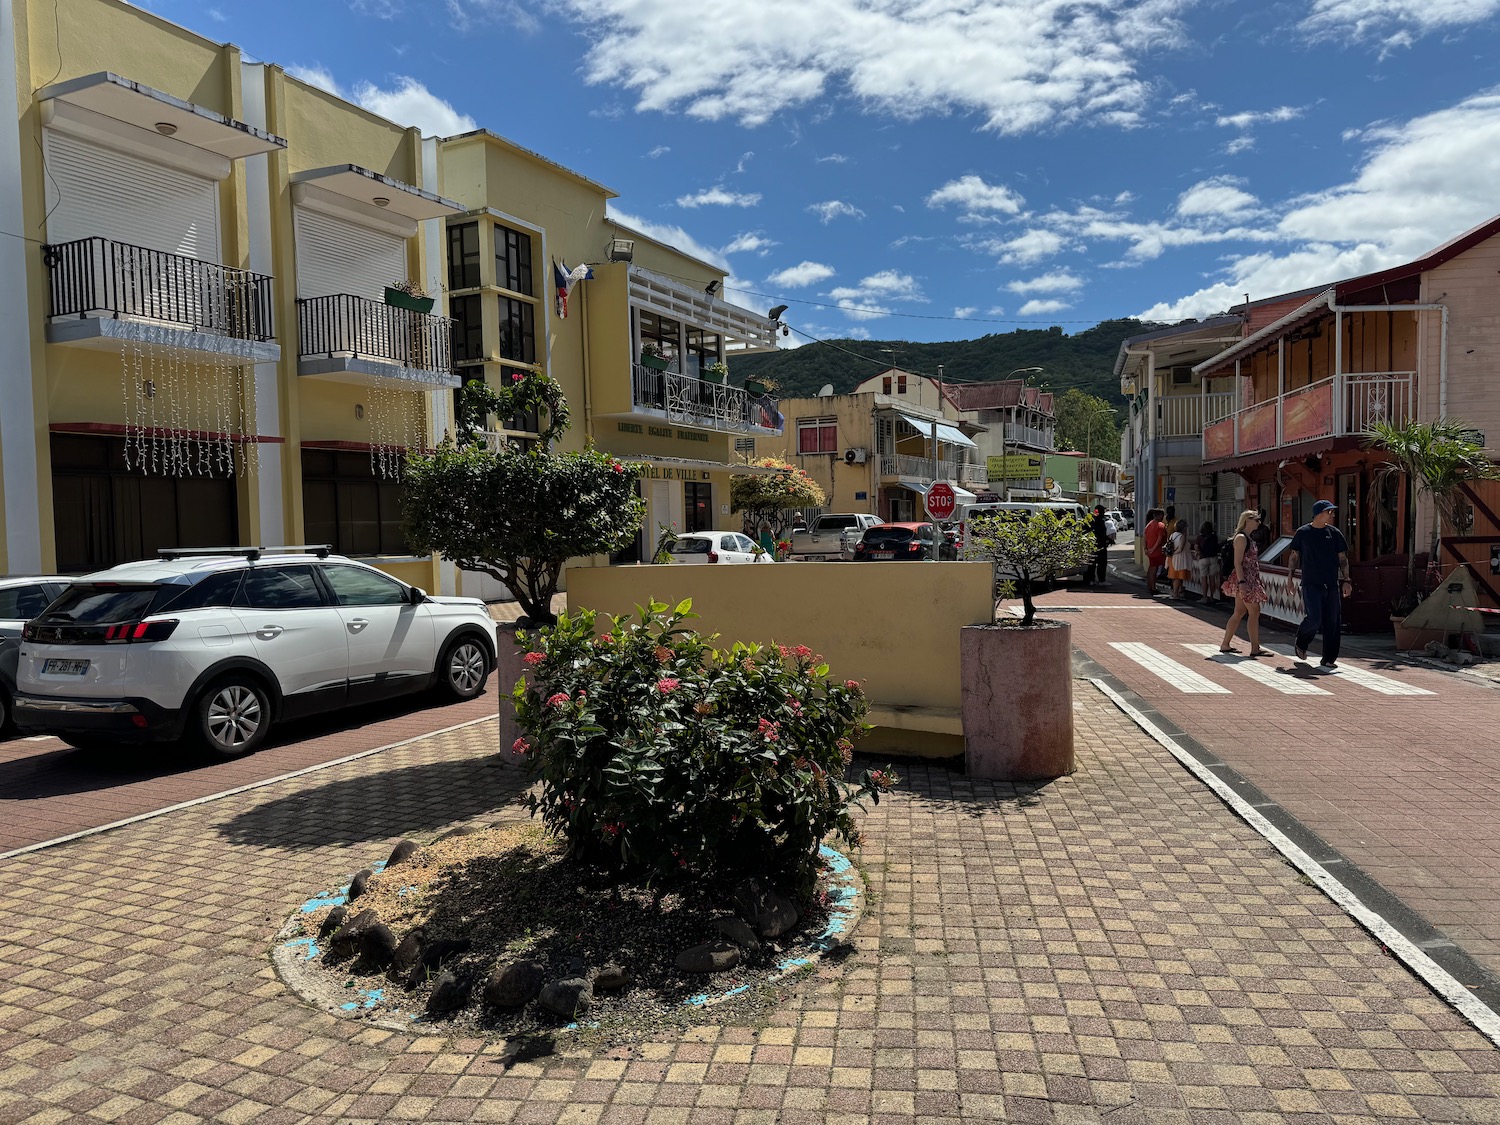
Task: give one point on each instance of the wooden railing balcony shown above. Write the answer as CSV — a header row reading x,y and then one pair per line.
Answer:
x,y
1342,406
101,278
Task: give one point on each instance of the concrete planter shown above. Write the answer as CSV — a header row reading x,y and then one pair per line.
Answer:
x,y
509,667
1017,701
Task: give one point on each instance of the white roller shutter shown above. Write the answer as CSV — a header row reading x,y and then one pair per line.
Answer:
x,y
338,256
98,192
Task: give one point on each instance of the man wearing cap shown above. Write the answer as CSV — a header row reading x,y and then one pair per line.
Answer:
x,y
1322,553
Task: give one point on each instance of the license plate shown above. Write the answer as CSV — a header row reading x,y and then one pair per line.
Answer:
x,y
65,667
882,554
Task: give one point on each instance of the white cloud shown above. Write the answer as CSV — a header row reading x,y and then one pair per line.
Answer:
x,y
804,273
1058,281
719,197
659,150
672,236
856,333
411,103
972,195
464,14
1239,144
870,298
217,16
1248,118
1042,308
1216,196
1017,64
832,209
749,242
965,312
1422,182
1395,21
833,158
1025,249
316,76
995,311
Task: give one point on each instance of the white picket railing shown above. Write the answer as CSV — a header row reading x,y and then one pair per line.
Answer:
x,y
1187,415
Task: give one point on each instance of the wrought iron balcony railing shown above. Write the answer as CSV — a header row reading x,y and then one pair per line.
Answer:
x,y
697,402
345,325
98,277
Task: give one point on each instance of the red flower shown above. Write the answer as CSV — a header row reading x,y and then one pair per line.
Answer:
x,y
520,746
852,685
515,376
617,467
607,639
560,700
666,684
769,731
534,658
803,652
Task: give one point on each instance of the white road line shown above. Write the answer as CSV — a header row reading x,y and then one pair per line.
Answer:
x,y
1180,676
1259,672
1364,678
1484,1018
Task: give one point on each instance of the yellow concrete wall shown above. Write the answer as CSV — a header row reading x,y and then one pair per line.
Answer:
x,y
840,482
907,660
609,341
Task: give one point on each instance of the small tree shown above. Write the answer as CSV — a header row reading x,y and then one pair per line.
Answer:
x,y
516,514
1030,547
1438,459
770,497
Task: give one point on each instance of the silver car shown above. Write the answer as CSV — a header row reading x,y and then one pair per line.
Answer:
x,y
21,598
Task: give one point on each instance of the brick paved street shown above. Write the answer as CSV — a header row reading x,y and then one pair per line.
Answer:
x,y
1113,947
1405,786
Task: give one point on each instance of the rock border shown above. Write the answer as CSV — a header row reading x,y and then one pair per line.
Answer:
x,y
296,955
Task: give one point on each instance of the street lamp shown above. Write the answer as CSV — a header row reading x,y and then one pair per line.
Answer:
x,y
1004,468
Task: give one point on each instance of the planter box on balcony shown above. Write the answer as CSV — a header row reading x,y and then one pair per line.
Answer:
x,y
756,387
399,300
655,362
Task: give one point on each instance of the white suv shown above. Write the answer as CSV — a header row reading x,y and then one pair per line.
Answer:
x,y
216,645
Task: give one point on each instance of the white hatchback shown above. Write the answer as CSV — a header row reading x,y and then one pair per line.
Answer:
x,y
218,645
717,547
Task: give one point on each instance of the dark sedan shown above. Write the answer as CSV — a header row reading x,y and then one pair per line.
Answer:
x,y
894,542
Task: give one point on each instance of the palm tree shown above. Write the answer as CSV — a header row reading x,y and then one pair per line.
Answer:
x,y
1435,458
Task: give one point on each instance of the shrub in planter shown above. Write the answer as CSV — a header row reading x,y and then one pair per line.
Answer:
x,y
661,756
1030,547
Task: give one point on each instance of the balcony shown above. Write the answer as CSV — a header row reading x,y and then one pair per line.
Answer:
x,y
102,293
1016,434
355,340
1343,406
903,467
695,402
1180,416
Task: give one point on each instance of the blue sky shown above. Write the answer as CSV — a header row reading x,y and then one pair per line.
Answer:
x,y
943,169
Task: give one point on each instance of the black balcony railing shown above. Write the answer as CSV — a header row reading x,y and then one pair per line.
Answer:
x,y
699,402
100,277
344,325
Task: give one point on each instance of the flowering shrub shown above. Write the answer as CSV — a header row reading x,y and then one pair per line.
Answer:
x,y
660,754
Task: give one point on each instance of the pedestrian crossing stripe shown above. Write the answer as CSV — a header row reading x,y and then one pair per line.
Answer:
x,y
1259,671
1180,676
1186,680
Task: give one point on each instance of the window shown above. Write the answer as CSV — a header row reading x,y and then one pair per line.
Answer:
x,y
280,587
817,435
702,350
698,504
353,585
662,332
104,605
885,385
463,256
513,260
215,590
22,603
517,331
347,506
900,384
468,328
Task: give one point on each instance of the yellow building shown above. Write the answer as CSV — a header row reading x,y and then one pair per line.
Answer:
x,y
213,338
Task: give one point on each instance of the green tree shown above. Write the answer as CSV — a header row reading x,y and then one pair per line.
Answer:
x,y
1030,548
515,514
1087,424
1436,459
770,497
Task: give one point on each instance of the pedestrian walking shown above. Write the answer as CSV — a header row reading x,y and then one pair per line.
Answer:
x,y
1101,526
1178,562
1320,551
1244,585
1154,539
1210,573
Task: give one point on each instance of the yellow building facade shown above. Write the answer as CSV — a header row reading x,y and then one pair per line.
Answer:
x,y
236,314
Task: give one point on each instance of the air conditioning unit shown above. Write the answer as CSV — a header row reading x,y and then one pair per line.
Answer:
x,y
855,456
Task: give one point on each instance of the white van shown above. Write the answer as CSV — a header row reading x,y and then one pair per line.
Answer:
x,y
1062,507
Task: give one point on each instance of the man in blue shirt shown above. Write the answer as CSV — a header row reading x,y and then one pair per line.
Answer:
x,y
1322,553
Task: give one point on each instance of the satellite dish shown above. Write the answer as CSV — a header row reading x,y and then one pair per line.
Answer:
x,y
827,391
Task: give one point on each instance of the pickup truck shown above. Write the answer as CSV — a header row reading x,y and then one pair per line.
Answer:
x,y
831,536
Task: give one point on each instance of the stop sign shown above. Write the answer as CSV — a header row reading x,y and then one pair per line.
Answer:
x,y
940,501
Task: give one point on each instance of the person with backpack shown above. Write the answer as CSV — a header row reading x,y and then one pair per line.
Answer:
x,y
1242,582
1208,565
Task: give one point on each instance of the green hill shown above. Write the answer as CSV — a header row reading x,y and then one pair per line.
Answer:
x,y
1085,360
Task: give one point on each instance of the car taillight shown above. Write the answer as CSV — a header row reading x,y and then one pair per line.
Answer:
x,y
916,548
713,556
132,631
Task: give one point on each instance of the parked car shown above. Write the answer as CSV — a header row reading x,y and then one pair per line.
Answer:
x,y
832,536
1129,514
21,598
1120,521
216,646
717,547
901,542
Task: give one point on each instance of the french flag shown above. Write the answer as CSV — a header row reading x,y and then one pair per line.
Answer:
x,y
565,279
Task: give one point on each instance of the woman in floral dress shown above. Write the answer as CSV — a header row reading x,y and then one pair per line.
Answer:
x,y
1244,585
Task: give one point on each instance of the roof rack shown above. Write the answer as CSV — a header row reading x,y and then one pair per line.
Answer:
x,y
321,550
